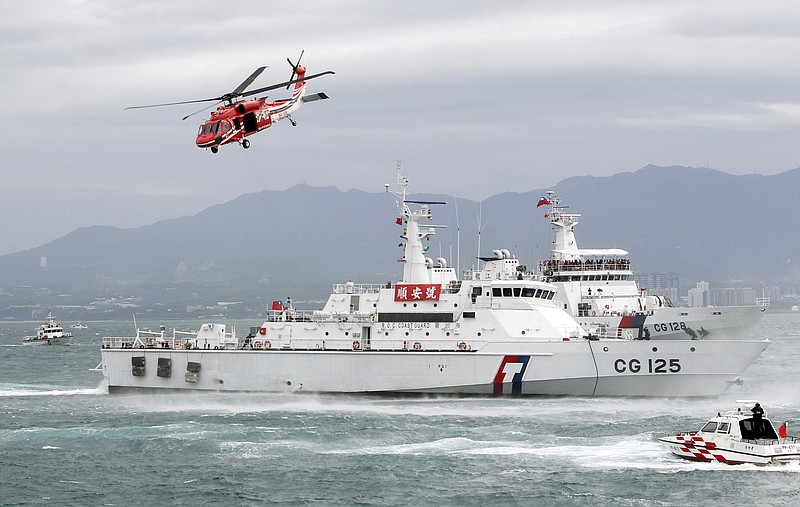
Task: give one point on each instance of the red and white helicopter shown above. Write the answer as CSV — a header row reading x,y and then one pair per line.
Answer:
x,y
236,119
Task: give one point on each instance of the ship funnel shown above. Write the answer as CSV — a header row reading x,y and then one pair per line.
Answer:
x,y
442,262
498,254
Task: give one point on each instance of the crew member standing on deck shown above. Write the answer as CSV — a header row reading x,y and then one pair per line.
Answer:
x,y
758,415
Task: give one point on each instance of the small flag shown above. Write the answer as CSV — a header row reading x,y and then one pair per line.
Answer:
x,y
544,201
277,305
399,221
784,430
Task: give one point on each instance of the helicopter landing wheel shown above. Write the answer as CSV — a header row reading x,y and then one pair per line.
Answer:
x,y
214,149
245,143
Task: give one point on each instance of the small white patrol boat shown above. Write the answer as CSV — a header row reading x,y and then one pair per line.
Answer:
x,y
49,333
735,437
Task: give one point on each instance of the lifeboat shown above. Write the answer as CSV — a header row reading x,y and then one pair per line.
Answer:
x,y
738,436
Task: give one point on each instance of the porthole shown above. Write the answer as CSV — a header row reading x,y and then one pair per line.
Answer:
x,y
427,333
447,333
523,332
692,349
655,349
346,333
455,305
605,349
479,333
326,333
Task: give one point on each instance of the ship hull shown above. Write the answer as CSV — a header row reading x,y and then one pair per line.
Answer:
x,y
567,368
732,452
670,323
47,341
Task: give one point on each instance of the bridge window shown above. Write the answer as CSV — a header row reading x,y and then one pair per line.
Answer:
x,y
710,427
723,427
517,291
507,292
497,292
528,292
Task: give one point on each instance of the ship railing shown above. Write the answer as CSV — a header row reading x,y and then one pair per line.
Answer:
x,y
356,343
359,288
127,342
317,316
553,265
601,332
181,338
484,275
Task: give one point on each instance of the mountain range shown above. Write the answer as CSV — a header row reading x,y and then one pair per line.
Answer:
x,y
701,223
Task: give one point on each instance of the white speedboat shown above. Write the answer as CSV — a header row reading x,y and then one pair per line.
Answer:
x,y
49,333
489,332
79,325
736,437
597,287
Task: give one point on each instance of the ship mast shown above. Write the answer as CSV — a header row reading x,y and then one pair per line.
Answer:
x,y
565,247
414,269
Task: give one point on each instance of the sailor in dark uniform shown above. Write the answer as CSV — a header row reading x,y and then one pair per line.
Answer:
x,y
758,415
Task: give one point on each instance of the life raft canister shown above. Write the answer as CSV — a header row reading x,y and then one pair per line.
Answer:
x,y
262,331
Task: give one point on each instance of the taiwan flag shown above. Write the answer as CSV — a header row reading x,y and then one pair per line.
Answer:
x,y
544,201
277,305
784,430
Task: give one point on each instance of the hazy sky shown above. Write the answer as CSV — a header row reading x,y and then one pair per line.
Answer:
x,y
475,98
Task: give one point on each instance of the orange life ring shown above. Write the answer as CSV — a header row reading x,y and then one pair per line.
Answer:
x,y
462,346
356,345
257,345
417,346
267,344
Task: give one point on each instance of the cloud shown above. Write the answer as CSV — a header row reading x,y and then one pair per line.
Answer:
x,y
477,98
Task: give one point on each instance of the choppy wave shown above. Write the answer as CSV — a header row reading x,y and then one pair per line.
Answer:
x,y
29,390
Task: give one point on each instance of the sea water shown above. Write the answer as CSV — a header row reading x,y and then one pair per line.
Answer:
x,y
65,441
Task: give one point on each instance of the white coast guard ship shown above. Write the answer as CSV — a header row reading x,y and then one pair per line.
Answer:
x,y
49,333
488,333
597,287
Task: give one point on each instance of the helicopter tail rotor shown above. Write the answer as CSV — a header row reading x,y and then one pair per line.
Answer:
x,y
294,67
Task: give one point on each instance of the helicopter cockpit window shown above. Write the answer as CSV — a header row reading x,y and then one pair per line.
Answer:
x,y
225,126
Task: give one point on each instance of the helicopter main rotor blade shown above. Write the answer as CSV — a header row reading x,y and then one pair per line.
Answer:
x,y
204,109
285,83
175,103
247,82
